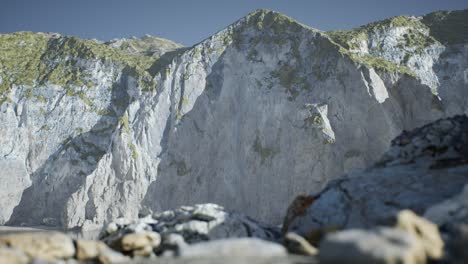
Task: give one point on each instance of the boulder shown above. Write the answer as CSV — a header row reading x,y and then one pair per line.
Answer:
x,y
421,169
141,244
381,245
234,247
41,245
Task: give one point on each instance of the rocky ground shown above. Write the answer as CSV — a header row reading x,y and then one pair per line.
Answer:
x,y
410,207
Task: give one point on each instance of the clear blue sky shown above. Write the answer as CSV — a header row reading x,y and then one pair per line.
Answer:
x,y
190,21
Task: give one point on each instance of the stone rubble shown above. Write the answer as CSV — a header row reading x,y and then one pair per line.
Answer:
x,y
172,230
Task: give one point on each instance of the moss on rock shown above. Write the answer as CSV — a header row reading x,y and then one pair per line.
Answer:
x,y
34,59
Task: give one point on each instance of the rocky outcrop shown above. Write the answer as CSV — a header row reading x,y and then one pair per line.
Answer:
x,y
249,118
411,175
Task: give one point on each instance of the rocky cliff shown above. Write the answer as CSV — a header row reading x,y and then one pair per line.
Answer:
x,y
261,111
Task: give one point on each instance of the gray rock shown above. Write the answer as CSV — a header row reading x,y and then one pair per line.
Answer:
x,y
381,245
452,217
456,243
452,210
234,247
376,196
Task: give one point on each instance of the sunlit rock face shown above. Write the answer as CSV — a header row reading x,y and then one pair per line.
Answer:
x,y
249,118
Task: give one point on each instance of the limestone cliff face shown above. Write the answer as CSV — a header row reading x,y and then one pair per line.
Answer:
x,y
249,118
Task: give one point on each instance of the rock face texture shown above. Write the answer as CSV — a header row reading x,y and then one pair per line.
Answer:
x,y
249,118
422,169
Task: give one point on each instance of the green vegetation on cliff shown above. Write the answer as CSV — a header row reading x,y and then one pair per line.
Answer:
x,y
415,38
278,29
35,59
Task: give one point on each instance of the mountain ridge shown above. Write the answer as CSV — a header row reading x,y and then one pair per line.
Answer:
x,y
248,118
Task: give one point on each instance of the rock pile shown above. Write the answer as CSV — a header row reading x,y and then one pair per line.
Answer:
x,y
166,232
445,142
53,247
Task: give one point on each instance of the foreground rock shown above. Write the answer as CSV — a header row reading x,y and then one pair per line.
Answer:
x,y
89,249
170,230
422,168
12,256
412,240
41,245
382,245
33,247
54,247
450,211
452,217
238,247
426,232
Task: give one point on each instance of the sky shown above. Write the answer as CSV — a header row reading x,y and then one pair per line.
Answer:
x,y
190,21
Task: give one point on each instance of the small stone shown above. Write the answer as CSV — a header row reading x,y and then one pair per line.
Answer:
x,y
298,245
173,242
201,227
424,230
41,245
111,228
12,256
207,212
138,241
164,216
